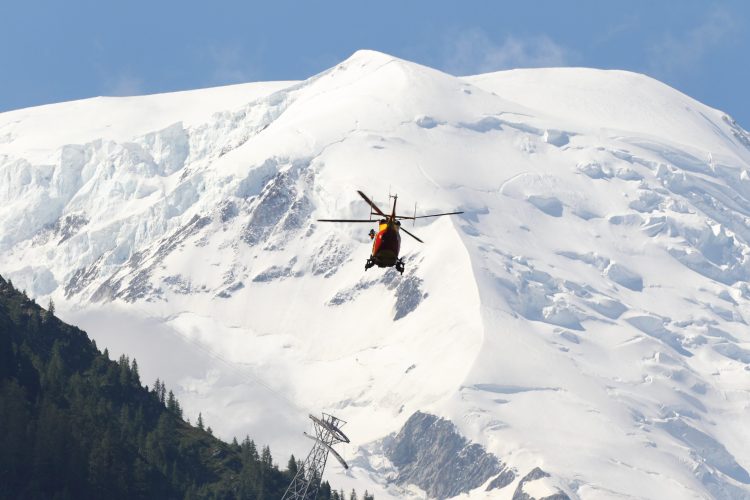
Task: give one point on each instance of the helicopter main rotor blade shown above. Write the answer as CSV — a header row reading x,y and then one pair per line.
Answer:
x,y
373,205
432,215
407,232
347,220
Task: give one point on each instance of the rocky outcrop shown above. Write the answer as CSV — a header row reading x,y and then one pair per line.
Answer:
x,y
430,453
535,474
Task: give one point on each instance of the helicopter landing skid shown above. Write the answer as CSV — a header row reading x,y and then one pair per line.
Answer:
x,y
400,266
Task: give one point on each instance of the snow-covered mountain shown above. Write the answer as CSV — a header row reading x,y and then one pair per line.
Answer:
x,y
584,321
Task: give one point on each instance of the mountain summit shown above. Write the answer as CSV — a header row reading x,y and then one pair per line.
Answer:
x,y
584,321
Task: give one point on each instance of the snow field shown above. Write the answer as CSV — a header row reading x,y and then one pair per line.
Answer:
x,y
585,315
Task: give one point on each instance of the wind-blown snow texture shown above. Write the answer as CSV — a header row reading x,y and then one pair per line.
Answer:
x,y
586,315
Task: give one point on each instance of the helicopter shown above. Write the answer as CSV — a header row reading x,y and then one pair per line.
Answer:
x,y
386,242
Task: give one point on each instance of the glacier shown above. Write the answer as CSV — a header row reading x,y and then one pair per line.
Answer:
x,y
584,321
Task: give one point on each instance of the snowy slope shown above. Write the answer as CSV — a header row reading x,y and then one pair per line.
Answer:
x,y
586,315
36,133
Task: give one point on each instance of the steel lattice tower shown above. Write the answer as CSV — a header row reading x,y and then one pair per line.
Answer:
x,y
306,482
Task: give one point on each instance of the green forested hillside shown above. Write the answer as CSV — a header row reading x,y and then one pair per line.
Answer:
x,y
75,424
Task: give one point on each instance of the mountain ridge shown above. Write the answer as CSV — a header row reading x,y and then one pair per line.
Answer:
x,y
598,272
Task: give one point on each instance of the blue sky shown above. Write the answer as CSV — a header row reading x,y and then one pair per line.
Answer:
x,y
62,50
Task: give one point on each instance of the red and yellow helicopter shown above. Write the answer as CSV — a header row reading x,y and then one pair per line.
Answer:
x,y
387,240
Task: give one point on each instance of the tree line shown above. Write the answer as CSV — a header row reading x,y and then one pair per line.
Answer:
x,y
75,424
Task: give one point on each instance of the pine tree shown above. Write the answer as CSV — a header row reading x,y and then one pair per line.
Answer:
x,y
160,391
250,451
324,493
49,313
124,363
266,458
200,421
157,388
291,467
171,403
134,372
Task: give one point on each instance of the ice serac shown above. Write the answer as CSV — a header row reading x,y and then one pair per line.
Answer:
x,y
586,316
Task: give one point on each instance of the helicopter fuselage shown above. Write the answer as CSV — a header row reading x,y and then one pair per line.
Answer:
x,y
386,244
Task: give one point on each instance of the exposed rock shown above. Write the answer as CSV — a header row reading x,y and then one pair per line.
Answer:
x,y
409,295
329,258
274,273
228,291
69,225
536,473
142,265
178,284
739,133
82,278
281,205
502,480
228,210
430,453
407,290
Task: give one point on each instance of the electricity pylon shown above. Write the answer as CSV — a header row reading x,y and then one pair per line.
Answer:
x,y
306,482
